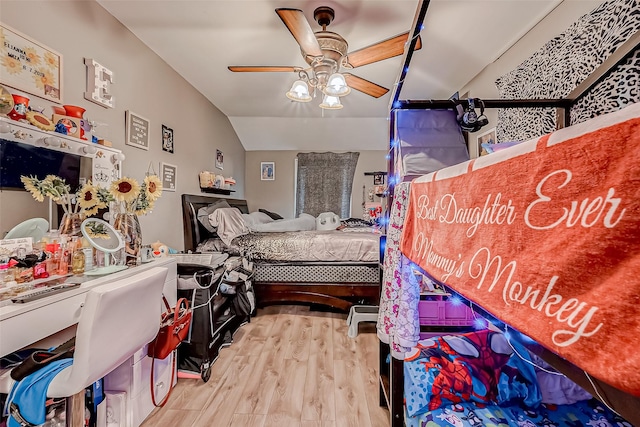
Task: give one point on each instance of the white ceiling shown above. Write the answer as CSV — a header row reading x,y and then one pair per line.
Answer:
x,y
199,39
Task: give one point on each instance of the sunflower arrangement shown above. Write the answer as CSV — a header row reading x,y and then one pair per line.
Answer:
x,y
86,201
132,197
51,186
136,198
91,198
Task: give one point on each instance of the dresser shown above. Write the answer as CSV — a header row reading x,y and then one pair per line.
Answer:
x,y
51,320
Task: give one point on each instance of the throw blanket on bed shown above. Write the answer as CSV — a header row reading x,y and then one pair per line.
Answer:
x,y
546,237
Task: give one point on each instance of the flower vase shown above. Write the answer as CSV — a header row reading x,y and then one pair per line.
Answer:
x,y
70,224
129,225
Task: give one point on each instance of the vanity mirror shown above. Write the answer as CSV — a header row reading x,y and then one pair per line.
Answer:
x,y
26,150
102,236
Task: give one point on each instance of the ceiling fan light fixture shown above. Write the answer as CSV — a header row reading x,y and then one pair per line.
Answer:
x,y
299,92
331,103
336,86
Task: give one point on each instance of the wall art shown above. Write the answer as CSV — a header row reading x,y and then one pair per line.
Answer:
x,y
167,139
267,171
219,159
30,66
137,130
168,176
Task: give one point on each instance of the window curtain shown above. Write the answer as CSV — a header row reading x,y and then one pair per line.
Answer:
x,y
324,183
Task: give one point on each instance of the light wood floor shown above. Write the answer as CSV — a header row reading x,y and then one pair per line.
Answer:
x,y
289,367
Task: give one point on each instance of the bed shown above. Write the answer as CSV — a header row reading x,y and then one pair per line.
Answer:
x,y
320,280
609,373
544,264
487,378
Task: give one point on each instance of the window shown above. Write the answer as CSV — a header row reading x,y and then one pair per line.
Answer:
x,y
324,183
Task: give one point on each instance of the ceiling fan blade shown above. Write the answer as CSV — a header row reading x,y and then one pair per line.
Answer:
x,y
365,86
385,49
261,69
301,30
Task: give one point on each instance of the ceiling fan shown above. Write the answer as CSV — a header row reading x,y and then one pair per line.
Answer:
x,y
326,54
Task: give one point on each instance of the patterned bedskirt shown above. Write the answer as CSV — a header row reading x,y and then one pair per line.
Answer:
x,y
317,273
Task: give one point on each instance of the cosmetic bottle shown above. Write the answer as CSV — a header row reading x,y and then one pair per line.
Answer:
x,y
87,250
77,261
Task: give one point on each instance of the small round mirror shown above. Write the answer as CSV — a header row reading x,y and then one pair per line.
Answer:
x,y
102,236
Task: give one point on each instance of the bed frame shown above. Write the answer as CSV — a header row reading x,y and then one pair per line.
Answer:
x,y
391,373
339,296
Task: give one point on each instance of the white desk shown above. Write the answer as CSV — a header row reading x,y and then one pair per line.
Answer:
x,y
25,324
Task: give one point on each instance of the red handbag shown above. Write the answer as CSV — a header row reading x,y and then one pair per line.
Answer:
x,y
174,327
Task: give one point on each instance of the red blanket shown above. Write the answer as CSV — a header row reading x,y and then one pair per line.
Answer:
x,y
547,239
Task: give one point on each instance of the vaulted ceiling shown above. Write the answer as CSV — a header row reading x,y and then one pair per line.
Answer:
x,y
200,39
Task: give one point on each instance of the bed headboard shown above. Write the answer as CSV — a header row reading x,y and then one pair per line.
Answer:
x,y
194,232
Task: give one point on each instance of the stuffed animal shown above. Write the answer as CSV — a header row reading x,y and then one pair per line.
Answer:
x,y
327,221
161,250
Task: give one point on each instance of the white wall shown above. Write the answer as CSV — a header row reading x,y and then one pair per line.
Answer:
x,y
145,84
279,195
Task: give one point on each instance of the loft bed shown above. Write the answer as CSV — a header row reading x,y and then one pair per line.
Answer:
x,y
624,395
337,284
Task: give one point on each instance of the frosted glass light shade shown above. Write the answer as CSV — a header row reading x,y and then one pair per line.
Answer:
x,y
299,92
336,86
331,103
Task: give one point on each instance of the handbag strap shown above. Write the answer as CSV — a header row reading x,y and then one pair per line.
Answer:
x,y
173,373
176,310
166,303
176,314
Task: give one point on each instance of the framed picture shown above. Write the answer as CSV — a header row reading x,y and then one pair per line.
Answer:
x,y
168,176
30,66
137,130
489,137
267,171
378,178
219,159
167,139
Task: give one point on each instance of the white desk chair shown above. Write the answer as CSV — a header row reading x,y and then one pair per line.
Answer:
x,y
117,319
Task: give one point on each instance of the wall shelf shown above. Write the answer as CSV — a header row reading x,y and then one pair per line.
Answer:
x,y
225,191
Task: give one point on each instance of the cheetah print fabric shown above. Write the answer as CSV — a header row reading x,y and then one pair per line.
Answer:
x,y
564,62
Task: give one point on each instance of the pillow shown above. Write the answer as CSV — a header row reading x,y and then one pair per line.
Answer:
x,y
477,364
273,215
356,223
259,218
492,148
557,389
229,224
203,214
304,222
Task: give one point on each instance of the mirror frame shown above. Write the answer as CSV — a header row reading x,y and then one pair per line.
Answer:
x,y
93,241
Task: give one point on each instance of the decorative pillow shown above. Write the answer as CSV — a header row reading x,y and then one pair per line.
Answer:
x,y
229,224
203,214
356,223
273,215
471,367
